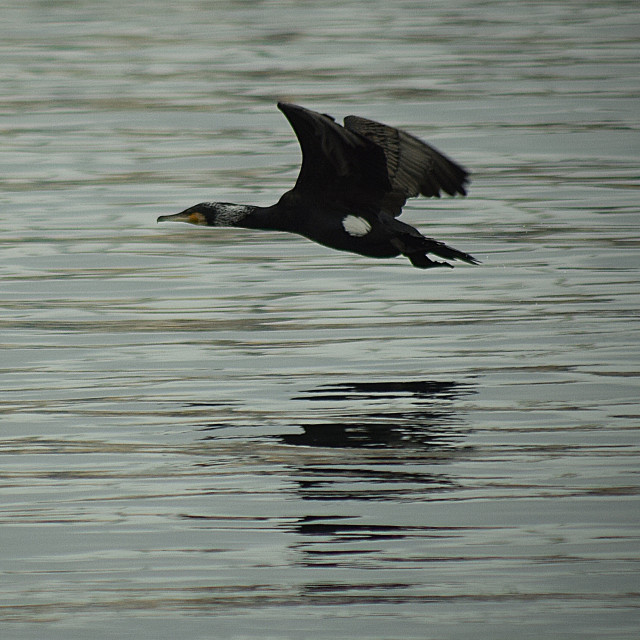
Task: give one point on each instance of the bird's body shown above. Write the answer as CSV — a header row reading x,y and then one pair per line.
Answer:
x,y
352,185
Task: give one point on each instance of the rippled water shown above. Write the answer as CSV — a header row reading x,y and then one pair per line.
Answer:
x,y
234,434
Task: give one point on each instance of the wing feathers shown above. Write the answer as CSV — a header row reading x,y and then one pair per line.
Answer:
x,y
335,160
368,163
414,167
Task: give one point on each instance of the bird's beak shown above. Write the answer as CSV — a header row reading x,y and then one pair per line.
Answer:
x,y
192,217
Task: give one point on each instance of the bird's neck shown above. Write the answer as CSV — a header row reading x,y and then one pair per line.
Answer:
x,y
232,215
248,217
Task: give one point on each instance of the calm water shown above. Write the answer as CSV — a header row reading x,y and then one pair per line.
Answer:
x,y
235,434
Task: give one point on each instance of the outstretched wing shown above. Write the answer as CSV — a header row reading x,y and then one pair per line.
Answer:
x,y
366,163
413,166
337,164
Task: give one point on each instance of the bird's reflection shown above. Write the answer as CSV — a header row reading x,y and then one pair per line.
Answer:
x,y
390,445
389,440
411,414
357,452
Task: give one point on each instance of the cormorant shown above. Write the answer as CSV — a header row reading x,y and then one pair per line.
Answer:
x,y
352,185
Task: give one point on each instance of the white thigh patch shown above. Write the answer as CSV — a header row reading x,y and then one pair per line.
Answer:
x,y
356,226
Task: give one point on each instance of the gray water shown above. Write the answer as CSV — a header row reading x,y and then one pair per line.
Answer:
x,y
237,434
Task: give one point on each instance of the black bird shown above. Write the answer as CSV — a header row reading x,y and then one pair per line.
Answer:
x,y
352,185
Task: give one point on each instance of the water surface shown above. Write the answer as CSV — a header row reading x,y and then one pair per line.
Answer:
x,y
234,434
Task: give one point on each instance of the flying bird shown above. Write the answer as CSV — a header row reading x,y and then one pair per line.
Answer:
x,y
351,188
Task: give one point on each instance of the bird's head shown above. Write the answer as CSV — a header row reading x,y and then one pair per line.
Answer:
x,y
208,214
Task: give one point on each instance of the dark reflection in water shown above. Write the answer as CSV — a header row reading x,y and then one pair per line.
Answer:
x,y
390,441
429,420
342,528
415,388
356,446
372,441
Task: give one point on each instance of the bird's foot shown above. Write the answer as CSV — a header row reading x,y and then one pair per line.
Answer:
x,y
421,261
